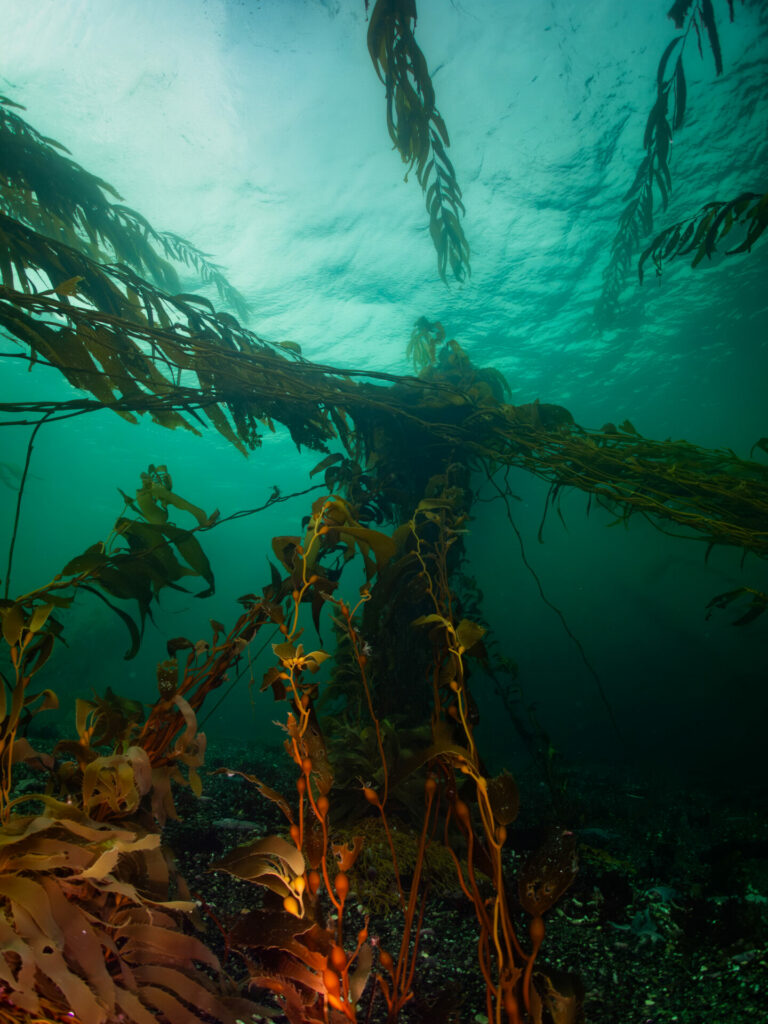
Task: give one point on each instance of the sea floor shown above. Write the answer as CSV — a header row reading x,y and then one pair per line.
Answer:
x,y
667,920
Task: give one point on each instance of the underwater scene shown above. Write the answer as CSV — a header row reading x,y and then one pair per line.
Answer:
x,y
383,512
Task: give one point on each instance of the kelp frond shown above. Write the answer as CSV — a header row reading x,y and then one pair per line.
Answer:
x,y
145,553
754,603
112,333
425,338
44,188
665,118
701,234
86,943
417,129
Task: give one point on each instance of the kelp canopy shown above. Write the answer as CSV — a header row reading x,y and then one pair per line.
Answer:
x,y
540,134
380,715
139,348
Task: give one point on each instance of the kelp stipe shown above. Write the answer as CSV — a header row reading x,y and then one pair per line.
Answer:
x,y
298,943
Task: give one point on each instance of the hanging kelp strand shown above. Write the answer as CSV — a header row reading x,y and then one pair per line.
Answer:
x,y
417,129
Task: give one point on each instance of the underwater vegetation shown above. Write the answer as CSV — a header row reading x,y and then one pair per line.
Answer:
x,y
391,801
695,20
417,129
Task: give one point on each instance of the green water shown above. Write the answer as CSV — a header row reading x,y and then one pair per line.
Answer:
x,y
257,131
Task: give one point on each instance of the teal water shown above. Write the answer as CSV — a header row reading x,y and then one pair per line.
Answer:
x,y
257,131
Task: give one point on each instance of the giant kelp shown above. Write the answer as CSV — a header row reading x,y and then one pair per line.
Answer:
x,y
417,129
46,190
702,234
695,19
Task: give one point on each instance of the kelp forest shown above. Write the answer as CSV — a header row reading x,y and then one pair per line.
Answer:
x,y
370,609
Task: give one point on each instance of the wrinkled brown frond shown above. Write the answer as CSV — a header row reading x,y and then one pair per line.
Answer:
x,y
80,939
